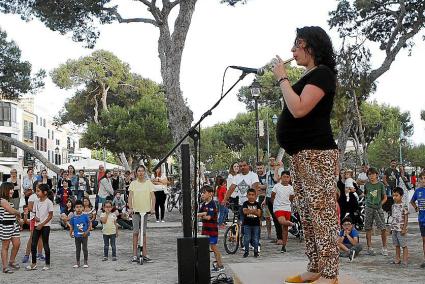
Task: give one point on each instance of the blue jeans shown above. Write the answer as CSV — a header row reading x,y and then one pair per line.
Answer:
x,y
251,235
222,214
106,240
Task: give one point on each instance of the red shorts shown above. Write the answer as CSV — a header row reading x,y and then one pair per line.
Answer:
x,y
32,224
281,213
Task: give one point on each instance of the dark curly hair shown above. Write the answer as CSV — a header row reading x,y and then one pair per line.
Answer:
x,y
319,45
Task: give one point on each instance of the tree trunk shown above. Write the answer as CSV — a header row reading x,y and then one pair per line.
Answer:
x,y
30,150
170,50
124,161
360,129
345,132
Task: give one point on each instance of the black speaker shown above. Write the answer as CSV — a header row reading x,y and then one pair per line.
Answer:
x,y
193,262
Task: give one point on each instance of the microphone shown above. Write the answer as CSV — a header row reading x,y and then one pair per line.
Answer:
x,y
258,71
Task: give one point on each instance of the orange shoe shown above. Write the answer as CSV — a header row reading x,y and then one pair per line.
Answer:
x,y
335,281
299,279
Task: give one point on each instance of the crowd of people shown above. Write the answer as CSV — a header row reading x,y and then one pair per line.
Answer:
x,y
264,195
120,201
268,195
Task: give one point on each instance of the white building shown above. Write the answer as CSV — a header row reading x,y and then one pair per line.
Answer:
x,y
27,122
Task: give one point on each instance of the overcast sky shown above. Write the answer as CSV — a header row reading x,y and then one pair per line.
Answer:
x,y
248,35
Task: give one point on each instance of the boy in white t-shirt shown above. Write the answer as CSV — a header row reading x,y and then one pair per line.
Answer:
x,y
282,196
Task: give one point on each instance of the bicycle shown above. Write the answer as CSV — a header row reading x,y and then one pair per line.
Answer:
x,y
233,234
174,199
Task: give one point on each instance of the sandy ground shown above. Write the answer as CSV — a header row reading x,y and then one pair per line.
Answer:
x,y
162,248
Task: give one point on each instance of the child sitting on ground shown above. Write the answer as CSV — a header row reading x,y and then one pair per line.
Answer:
x,y
348,241
282,196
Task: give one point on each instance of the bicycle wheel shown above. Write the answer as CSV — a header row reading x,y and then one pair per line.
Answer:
x,y
179,203
170,204
231,239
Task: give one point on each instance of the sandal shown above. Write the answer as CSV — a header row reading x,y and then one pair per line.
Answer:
x,y
14,265
395,262
7,270
30,267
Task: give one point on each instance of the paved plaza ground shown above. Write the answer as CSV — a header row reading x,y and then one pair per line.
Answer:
x,y
162,248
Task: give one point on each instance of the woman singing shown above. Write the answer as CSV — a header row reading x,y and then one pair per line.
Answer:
x,y
304,131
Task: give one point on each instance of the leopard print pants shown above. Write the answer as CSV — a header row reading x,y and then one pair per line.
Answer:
x,y
313,176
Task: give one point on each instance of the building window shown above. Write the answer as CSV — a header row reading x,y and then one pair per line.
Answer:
x,y
57,142
53,135
7,150
7,116
48,155
36,120
48,133
28,130
44,122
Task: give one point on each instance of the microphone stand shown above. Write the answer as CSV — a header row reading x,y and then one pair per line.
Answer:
x,y
194,134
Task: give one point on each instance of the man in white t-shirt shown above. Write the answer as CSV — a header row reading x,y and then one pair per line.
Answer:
x,y
362,178
282,196
243,181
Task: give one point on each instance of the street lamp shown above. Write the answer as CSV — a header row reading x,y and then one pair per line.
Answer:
x,y
255,89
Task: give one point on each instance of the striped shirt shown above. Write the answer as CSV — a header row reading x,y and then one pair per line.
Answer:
x,y
209,227
5,216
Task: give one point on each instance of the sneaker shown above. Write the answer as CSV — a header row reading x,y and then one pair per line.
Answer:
x,y
41,257
245,255
25,259
147,259
384,252
135,259
259,248
114,258
283,249
256,254
85,266
31,267
162,221
105,259
370,251
217,269
157,221
351,255
76,266
45,268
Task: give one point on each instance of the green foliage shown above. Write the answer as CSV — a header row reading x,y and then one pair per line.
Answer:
x,y
377,118
101,67
78,16
139,131
416,156
270,92
110,157
15,75
386,22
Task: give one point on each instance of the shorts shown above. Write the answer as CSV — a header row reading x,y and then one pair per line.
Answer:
x,y
282,213
213,240
32,224
136,223
422,228
9,231
374,214
398,239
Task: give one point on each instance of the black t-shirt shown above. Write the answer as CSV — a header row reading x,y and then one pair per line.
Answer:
x,y
313,131
251,220
392,176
